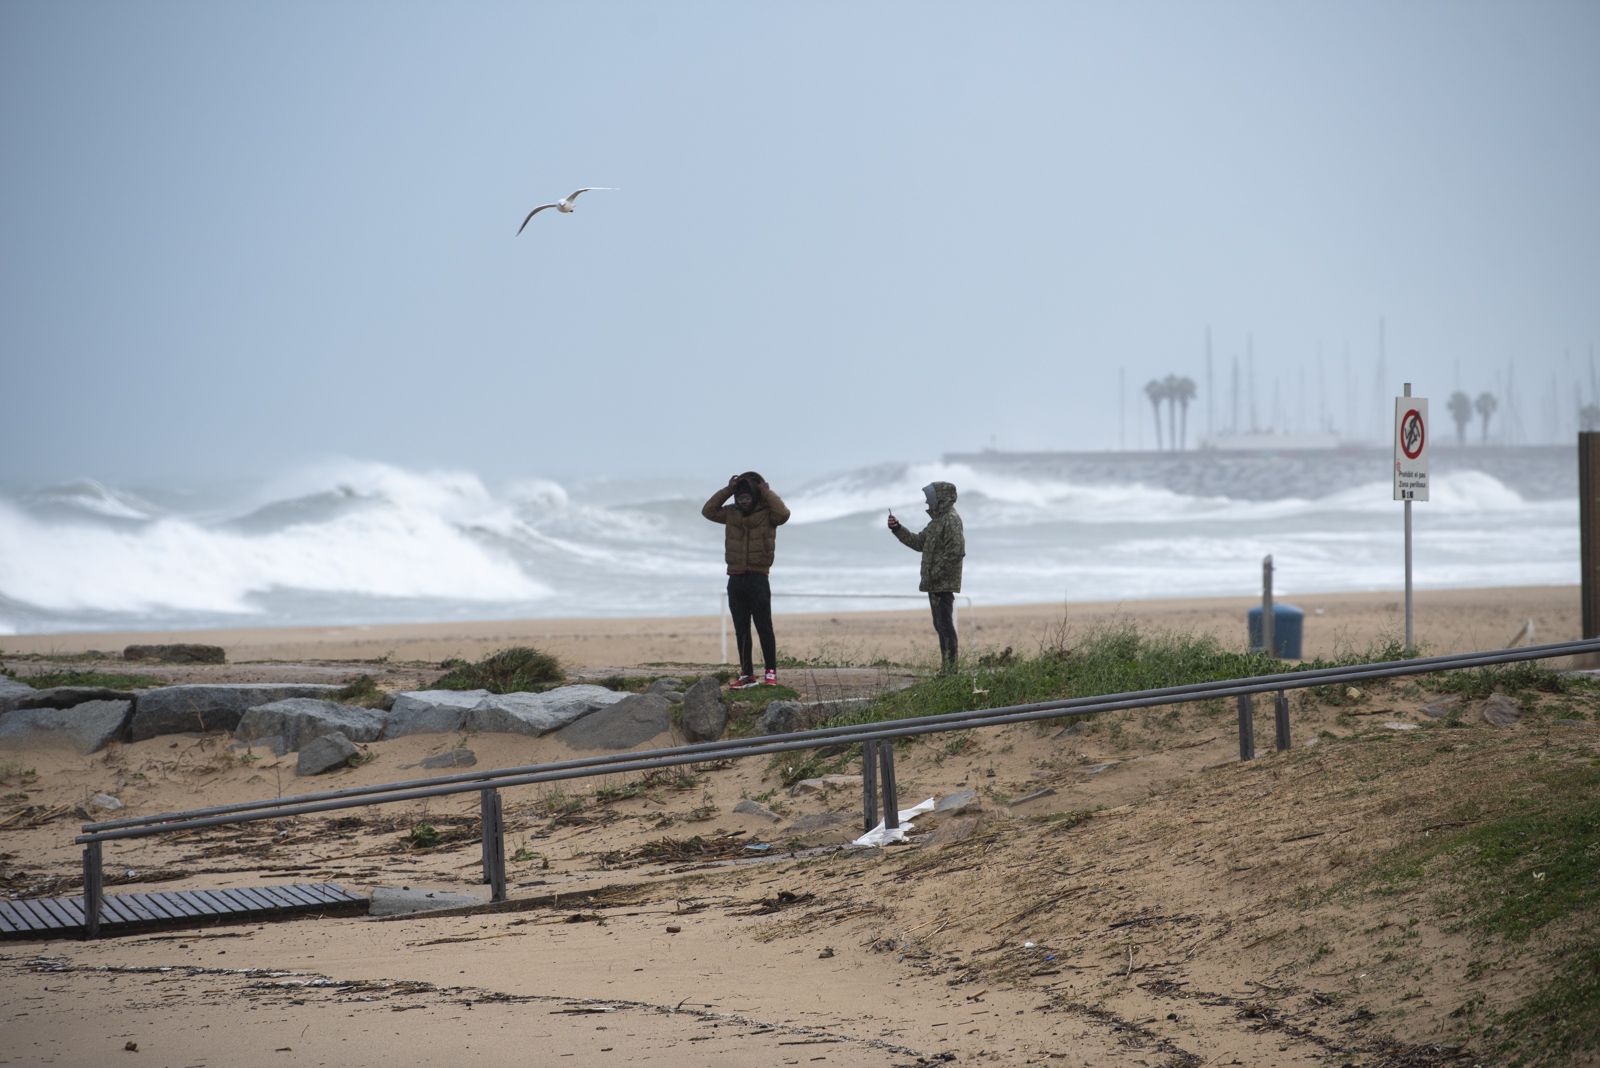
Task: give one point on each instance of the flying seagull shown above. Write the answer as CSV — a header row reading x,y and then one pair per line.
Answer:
x,y
564,205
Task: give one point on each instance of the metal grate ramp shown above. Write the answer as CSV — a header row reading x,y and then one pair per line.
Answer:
x,y
62,917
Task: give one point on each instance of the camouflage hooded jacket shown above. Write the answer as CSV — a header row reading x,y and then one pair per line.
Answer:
x,y
942,543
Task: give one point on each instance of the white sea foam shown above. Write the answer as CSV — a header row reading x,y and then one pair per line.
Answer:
x,y
358,541
93,497
177,564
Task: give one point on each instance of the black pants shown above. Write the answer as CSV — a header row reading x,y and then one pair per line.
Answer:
x,y
944,624
750,598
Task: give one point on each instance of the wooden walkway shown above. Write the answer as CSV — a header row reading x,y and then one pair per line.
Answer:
x,y
62,917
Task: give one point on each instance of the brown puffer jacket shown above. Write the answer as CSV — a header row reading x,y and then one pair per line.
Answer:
x,y
752,538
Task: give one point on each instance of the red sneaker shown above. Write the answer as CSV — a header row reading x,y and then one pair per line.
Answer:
x,y
770,679
742,682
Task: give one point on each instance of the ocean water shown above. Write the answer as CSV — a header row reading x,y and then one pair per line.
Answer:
x,y
350,542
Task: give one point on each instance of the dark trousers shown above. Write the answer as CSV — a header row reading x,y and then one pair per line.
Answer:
x,y
750,599
944,624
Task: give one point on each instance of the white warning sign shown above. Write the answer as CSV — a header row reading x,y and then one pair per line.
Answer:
x,y
1410,449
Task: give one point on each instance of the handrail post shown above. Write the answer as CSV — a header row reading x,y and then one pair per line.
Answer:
x,y
1281,716
1247,728
891,802
93,886
869,785
494,844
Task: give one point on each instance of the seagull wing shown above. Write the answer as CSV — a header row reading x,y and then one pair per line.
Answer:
x,y
531,214
574,194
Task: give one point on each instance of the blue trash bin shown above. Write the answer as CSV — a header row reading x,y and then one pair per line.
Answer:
x,y
1287,625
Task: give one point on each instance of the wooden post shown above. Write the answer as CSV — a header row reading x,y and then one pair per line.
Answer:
x,y
494,844
891,799
869,785
1589,528
1280,710
93,884
1247,728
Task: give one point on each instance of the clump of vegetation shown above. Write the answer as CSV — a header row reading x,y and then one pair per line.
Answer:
x,y
813,764
102,679
363,692
625,683
11,770
424,836
661,778
519,669
1102,661
1508,679
757,698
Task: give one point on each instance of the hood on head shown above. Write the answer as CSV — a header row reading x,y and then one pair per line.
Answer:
x,y
941,497
749,482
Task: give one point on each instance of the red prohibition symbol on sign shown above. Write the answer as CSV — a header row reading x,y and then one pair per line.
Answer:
x,y
1412,434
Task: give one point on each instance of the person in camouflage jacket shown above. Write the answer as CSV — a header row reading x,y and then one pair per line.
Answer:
x,y
943,544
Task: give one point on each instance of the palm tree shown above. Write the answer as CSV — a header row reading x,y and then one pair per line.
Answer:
x,y
1169,386
1184,390
1461,412
1157,392
1486,404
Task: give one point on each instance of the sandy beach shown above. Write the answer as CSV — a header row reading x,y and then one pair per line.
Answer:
x,y
1126,891
1444,621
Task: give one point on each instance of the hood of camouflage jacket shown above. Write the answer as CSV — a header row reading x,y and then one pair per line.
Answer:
x,y
941,497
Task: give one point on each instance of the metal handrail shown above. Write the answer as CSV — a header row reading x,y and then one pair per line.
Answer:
x,y
648,760
873,738
851,733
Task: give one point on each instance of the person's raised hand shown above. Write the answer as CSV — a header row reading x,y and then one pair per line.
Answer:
x,y
894,524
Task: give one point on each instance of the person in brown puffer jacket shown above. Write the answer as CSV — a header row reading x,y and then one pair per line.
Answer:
x,y
752,522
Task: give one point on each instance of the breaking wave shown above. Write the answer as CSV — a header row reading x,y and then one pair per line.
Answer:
x,y
350,541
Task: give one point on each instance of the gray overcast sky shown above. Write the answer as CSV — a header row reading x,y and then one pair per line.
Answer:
x,y
238,236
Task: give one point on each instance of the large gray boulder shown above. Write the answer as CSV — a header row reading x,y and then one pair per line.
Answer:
x,y
12,691
538,713
88,727
290,724
430,711
635,719
207,707
324,754
704,713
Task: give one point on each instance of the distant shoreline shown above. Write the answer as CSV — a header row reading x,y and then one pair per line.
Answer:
x,y
1445,620
1441,446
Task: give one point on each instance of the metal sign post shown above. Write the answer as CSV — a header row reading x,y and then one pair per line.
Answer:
x,y
1410,471
1269,636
